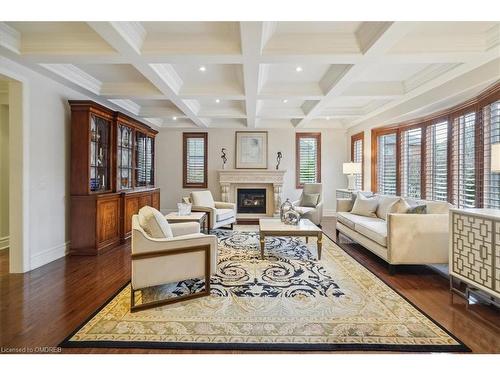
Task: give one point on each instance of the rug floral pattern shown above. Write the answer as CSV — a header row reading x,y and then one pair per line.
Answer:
x,y
287,300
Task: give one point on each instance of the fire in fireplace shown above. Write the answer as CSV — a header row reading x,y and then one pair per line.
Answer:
x,y
251,201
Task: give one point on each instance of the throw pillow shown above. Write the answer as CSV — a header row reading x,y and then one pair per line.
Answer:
x,y
154,223
400,207
386,205
309,200
365,206
202,199
422,209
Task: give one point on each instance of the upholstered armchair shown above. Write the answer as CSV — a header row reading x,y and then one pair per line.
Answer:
x,y
164,253
220,214
310,204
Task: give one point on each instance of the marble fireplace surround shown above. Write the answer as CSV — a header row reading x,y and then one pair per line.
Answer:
x,y
272,180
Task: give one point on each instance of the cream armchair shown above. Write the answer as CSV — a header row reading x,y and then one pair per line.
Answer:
x,y
220,214
307,210
183,254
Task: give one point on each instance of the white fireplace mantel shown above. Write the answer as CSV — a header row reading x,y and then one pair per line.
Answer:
x,y
228,177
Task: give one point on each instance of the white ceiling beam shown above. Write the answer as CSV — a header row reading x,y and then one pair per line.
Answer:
x,y
252,34
467,75
127,40
388,34
10,38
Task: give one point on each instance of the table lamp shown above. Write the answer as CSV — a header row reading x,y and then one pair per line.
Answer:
x,y
495,157
350,169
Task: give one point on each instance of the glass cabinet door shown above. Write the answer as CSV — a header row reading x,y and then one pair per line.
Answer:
x,y
99,154
140,159
124,157
150,179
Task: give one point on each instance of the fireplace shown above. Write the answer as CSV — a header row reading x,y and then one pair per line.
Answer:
x,y
251,201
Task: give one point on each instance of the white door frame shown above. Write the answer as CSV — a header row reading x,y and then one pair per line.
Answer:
x,y
19,255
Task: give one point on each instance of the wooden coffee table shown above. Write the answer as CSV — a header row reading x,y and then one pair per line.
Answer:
x,y
198,217
275,228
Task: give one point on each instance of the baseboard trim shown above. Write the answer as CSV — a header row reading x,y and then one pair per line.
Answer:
x,y
49,255
4,242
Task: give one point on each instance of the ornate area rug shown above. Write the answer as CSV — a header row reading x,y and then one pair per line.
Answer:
x,y
288,301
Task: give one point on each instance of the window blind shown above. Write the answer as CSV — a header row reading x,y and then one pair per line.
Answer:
x,y
357,157
386,165
463,160
411,162
308,158
491,129
195,160
437,161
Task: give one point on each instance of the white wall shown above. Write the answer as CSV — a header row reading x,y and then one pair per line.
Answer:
x,y
48,117
4,176
169,162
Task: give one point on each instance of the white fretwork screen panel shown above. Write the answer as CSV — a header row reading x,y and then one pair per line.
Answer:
x,y
497,257
473,248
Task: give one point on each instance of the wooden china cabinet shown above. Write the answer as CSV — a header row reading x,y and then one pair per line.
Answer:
x,y
112,176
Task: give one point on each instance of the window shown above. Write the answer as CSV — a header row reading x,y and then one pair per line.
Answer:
x,y
195,160
308,158
437,161
491,120
464,160
411,162
386,164
357,157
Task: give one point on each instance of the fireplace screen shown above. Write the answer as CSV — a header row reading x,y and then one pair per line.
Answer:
x,y
251,201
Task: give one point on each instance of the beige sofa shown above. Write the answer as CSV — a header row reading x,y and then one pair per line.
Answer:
x,y
401,238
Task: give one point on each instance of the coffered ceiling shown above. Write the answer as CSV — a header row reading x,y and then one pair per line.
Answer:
x,y
263,74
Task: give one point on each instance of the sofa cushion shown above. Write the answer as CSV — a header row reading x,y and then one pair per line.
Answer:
x,y
435,207
154,223
365,206
374,230
224,213
346,219
386,205
309,200
202,199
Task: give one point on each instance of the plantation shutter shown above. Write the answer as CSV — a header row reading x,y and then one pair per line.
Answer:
x,y
308,158
437,161
464,160
411,162
386,165
357,157
195,163
491,128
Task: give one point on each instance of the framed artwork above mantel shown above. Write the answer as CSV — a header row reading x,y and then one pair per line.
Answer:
x,y
251,150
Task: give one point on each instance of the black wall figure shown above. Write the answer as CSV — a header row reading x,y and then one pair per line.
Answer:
x,y
224,158
278,159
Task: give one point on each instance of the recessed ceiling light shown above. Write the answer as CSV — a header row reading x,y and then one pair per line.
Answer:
x,y
203,68
298,69
327,118
285,101
217,100
174,118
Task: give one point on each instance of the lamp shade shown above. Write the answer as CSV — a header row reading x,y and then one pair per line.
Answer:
x,y
495,157
351,168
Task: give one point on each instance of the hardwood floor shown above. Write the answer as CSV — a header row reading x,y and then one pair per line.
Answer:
x,y
42,307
